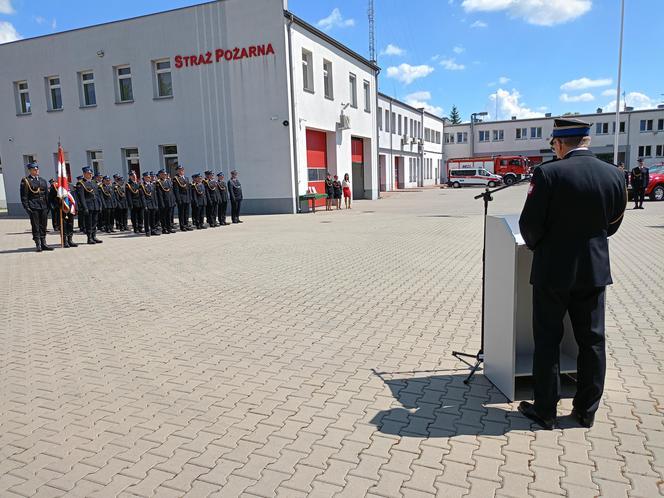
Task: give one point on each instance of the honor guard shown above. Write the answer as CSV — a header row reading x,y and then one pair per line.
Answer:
x,y
79,214
212,192
100,219
150,205
235,194
34,199
122,204
572,206
134,202
182,191
54,205
223,199
165,200
90,204
198,201
65,217
108,204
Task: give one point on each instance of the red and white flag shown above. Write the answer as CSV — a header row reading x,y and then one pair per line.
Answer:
x,y
68,201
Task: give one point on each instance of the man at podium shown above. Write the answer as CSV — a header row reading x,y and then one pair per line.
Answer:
x,y
573,205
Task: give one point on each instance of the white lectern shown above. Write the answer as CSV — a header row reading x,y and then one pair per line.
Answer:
x,y
508,332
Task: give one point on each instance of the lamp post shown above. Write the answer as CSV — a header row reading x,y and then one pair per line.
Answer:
x,y
617,125
472,130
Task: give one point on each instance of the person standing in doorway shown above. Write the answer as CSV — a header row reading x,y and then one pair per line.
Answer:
x,y
34,191
572,206
345,185
235,193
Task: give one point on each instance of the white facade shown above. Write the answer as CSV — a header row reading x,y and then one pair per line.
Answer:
x,y
229,105
410,145
641,135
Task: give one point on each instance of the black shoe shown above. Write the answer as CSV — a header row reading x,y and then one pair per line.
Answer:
x,y
44,246
70,239
585,420
528,410
148,234
38,245
90,241
240,221
96,240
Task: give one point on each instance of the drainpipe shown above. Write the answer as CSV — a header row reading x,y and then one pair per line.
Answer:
x,y
421,178
376,73
389,125
293,123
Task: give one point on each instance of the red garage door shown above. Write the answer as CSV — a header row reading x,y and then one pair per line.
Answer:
x,y
317,161
357,159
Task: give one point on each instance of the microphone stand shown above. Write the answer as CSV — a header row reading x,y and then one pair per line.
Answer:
x,y
479,356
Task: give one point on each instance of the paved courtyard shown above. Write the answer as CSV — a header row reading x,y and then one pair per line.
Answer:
x,y
306,355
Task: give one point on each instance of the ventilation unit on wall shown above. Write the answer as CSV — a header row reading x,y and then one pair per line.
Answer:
x,y
344,122
404,140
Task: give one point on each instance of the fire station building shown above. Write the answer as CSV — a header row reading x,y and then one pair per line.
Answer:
x,y
229,84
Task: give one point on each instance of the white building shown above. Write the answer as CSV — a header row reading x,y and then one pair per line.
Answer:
x,y
229,84
641,134
410,140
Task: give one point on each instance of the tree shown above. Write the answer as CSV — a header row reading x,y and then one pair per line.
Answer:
x,y
454,115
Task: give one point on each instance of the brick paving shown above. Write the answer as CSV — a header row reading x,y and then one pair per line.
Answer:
x,y
306,355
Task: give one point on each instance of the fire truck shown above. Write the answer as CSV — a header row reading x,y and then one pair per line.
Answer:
x,y
510,168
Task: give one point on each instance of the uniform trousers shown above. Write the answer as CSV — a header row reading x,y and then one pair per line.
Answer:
x,y
81,222
198,215
165,218
586,311
639,195
55,215
212,213
235,210
68,227
221,211
91,220
150,220
107,218
121,218
38,223
183,215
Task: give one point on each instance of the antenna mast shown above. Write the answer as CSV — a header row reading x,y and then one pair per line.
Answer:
x,y
372,32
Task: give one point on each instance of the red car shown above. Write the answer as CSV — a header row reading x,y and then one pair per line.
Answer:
x,y
655,188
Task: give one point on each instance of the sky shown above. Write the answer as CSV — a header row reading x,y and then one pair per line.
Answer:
x,y
508,58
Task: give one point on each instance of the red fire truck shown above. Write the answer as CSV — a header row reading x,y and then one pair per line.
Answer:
x,y
510,168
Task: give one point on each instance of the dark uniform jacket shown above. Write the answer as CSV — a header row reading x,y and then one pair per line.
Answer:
x,y
182,189
148,196
235,189
165,194
133,190
212,191
223,193
198,195
573,205
120,195
640,178
108,200
33,193
53,197
88,195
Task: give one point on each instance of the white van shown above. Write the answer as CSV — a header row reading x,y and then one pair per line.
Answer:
x,y
461,177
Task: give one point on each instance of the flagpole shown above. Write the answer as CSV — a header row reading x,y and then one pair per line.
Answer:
x,y
62,226
617,125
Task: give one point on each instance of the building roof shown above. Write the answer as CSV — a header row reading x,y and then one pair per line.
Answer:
x,y
416,109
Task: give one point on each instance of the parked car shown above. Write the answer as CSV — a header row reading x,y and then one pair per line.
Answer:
x,y
462,177
655,188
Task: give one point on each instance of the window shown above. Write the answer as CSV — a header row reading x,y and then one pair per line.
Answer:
x,y
622,127
387,120
602,128
646,125
399,122
645,150
367,96
29,158
22,98
484,136
437,137
54,93
163,80
498,135
536,132
412,128
462,137
123,76
96,160
521,133
132,160
88,95
659,151
328,87
394,122
169,155
447,137
352,81
660,125
427,134
380,118
307,70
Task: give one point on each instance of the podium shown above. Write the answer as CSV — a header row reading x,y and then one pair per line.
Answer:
x,y
508,336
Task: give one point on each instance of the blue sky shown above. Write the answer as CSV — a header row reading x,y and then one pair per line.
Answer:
x,y
506,57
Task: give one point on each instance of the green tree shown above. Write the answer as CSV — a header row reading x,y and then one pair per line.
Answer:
x,y
454,115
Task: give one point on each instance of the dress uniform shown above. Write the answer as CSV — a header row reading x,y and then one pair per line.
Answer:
x,y
100,219
134,202
212,192
223,199
89,204
182,191
235,193
80,215
122,204
640,177
150,205
64,218
34,199
572,206
108,205
54,205
198,201
166,201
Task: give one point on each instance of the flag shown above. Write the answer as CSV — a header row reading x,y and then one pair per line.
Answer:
x,y
68,201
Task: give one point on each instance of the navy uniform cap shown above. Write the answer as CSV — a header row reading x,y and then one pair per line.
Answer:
x,y
79,177
107,177
196,175
569,127
208,172
145,173
32,165
161,171
180,167
115,175
87,169
221,173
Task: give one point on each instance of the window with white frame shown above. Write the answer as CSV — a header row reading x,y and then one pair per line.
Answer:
x,y
352,83
169,157
54,93
399,123
307,70
88,94
521,133
660,125
498,135
328,85
132,160
484,136
380,118
645,125
659,151
23,105
462,137
29,158
412,128
622,127
645,150
367,96
162,78
437,137
96,161
387,120
124,87
602,128
536,132
394,122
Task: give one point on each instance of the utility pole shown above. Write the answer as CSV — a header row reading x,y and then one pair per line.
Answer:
x,y
372,32
617,131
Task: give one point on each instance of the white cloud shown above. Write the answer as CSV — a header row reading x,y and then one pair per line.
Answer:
x,y
54,24
40,20
407,73
609,92
6,7
8,32
503,80
509,104
538,12
392,50
458,50
479,24
335,20
584,97
421,100
583,83
451,65
637,100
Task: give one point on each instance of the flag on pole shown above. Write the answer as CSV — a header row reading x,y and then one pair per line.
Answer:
x,y
68,201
